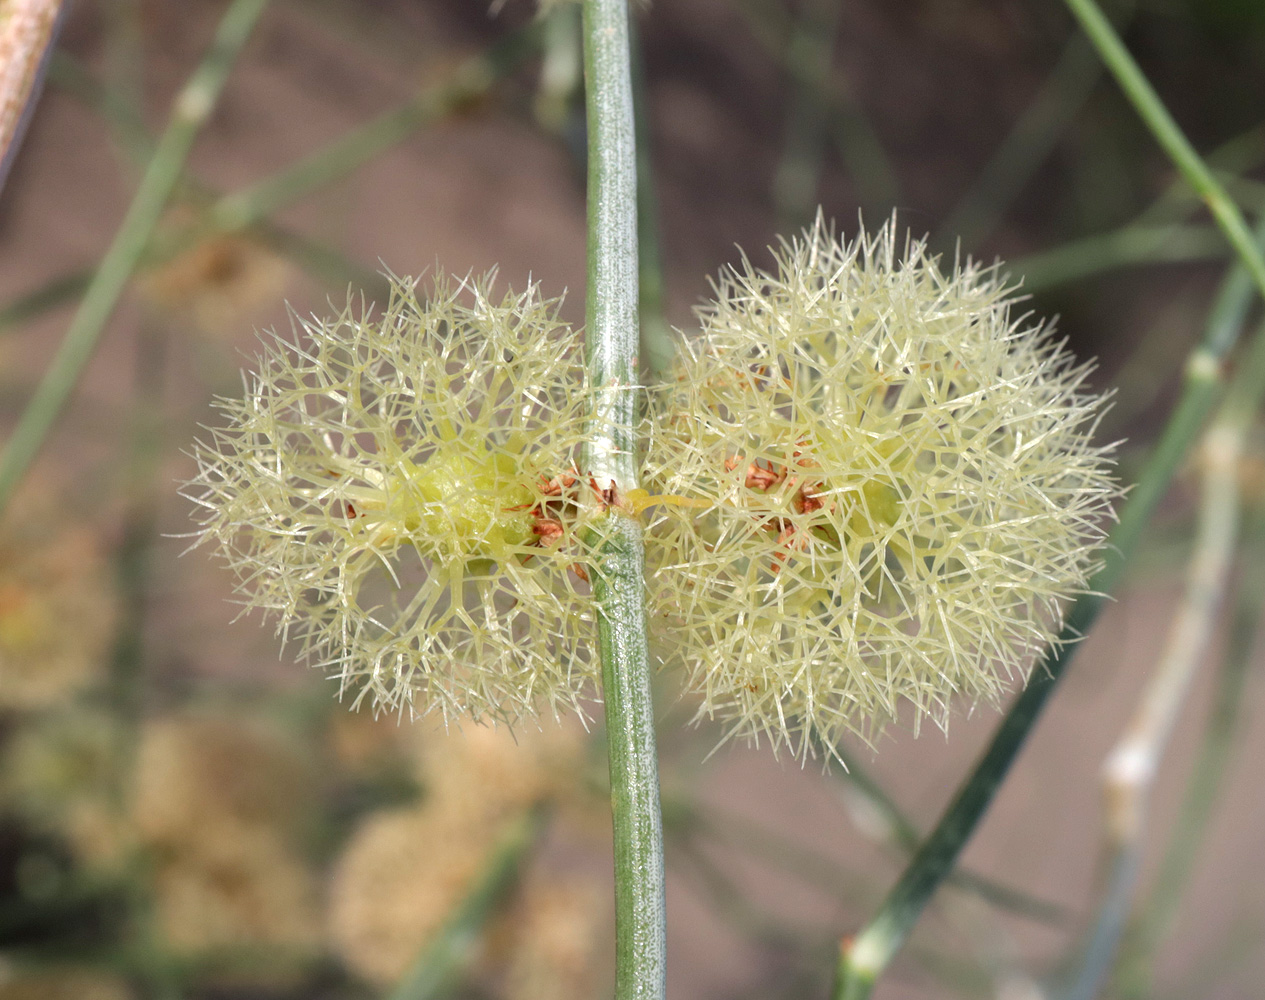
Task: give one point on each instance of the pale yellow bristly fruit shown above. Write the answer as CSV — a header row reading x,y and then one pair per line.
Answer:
x,y
398,491
903,486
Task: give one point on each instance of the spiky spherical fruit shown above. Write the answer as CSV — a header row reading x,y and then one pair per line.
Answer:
x,y
903,482
399,492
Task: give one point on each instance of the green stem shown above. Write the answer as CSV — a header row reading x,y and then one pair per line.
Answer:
x,y
59,291
864,957
906,837
809,55
1170,136
192,107
471,81
657,348
610,458
858,145
1027,145
1130,770
437,967
324,263
1132,244
1156,917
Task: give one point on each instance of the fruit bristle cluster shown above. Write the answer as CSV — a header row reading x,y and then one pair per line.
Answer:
x,y
903,491
395,490
872,483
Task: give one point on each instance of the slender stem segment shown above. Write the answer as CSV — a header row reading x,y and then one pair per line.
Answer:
x,y
1169,135
610,458
193,106
438,968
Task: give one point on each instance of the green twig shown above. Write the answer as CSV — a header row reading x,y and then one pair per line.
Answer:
x,y
1234,157
657,348
60,291
1130,770
322,262
1166,131
610,458
470,82
808,56
1092,255
858,145
192,107
1156,917
1156,235
906,836
863,958
1027,145
685,818
438,966
561,69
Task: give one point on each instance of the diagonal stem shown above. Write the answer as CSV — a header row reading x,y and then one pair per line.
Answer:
x,y
28,31
1169,135
192,108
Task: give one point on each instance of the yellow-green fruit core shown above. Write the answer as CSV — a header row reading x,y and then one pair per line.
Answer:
x,y
460,503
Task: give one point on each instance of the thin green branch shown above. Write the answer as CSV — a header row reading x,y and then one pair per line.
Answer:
x,y
1133,765
1170,136
561,86
252,206
1156,917
903,833
863,958
437,968
468,83
610,459
809,54
657,349
1131,768
1093,255
1027,145
192,107
1234,157
1156,235
322,262
858,145
58,292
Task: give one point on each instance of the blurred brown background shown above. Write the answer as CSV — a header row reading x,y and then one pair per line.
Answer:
x,y
758,111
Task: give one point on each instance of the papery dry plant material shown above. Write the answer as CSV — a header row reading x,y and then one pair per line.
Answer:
x,y
63,984
404,871
903,482
60,772
51,573
26,29
221,802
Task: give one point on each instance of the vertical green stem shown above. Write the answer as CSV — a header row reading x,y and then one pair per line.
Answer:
x,y
657,348
809,55
610,458
192,107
